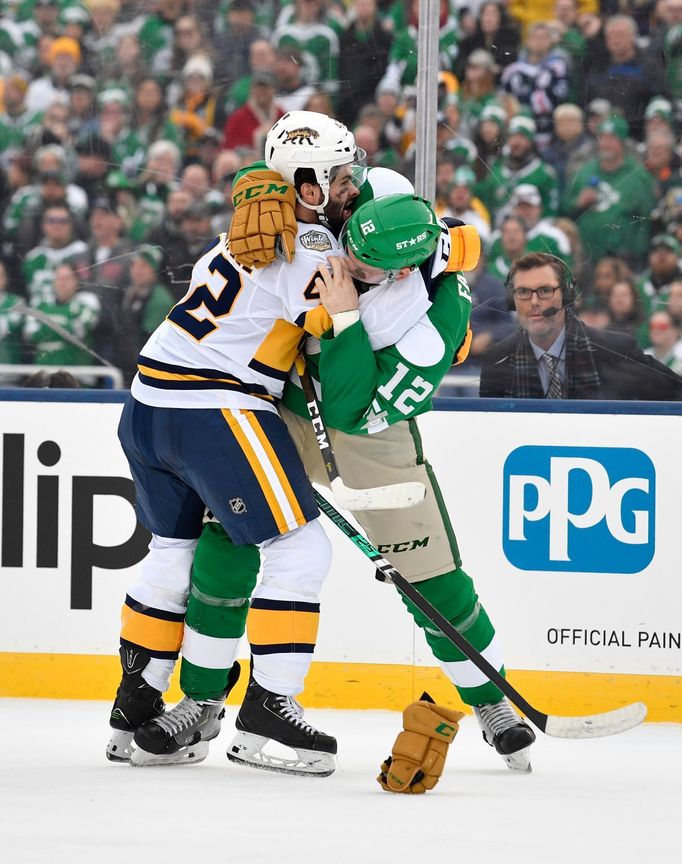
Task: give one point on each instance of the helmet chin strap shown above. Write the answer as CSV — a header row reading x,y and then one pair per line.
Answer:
x,y
318,208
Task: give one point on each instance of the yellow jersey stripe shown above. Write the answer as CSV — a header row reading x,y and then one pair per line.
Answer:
x,y
277,465
174,376
279,348
281,627
317,321
149,632
257,468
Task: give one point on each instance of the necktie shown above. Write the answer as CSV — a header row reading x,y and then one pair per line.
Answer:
x,y
554,388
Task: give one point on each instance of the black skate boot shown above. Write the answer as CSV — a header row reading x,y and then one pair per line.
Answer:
x,y
504,730
136,703
266,716
181,735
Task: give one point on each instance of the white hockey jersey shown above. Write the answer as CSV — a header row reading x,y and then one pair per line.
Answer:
x,y
232,339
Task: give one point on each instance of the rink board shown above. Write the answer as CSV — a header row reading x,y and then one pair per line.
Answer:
x,y
567,516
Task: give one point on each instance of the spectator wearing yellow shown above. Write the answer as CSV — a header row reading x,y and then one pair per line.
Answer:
x,y
64,56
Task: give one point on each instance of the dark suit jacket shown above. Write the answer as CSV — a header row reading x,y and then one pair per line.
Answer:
x,y
625,371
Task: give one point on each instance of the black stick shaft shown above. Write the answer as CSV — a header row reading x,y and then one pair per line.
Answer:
x,y
408,590
321,431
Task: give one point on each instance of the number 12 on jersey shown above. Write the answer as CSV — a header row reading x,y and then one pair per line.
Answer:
x,y
418,390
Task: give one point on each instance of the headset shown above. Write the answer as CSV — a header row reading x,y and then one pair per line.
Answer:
x,y
568,288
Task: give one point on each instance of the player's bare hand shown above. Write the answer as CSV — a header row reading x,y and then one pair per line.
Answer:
x,y
336,288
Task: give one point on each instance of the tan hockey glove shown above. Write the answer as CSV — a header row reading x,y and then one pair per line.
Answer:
x,y
465,248
264,219
418,756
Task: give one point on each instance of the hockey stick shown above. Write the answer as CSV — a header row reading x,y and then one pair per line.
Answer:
x,y
591,726
376,498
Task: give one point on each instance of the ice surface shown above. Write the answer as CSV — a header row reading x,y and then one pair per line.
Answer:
x,y
609,800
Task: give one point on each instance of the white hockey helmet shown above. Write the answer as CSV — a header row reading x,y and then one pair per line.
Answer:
x,y
307,139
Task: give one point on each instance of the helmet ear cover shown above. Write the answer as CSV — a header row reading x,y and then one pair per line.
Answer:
x,y
393,232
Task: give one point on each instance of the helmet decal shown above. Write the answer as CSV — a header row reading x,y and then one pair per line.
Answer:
x,y
393,231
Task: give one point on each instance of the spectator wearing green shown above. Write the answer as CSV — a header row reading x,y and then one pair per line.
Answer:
x,y
672,57
513,245
479,90
572,43
127,149
460,203
611,198
58,246
27,205
17,121
543,235
402,60
157,33
149,120
261,59
658,114
101,41
145,302
158,177
308,28
10,322
519,163
664,268
72,310
664,340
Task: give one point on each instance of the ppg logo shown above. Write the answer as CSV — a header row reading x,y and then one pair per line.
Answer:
x,y
584,509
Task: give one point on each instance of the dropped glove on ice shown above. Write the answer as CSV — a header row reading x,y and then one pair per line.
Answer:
x,y
418,756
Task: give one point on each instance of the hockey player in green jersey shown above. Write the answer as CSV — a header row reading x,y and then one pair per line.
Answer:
x,y
379,444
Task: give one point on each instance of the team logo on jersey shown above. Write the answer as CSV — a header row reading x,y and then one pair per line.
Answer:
x,y
237,506
318,241
302,135
609,196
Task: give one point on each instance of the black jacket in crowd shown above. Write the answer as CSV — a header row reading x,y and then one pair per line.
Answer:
x,y
624,370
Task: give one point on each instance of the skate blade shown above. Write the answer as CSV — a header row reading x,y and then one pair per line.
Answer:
x,y
189,755
120,746
519,761
247,749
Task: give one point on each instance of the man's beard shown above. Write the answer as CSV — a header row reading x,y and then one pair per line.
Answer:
x,y
336,213
516,162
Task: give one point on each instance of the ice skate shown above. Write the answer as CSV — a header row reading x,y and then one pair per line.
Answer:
x,y
180,736
136,703
504,730
265,717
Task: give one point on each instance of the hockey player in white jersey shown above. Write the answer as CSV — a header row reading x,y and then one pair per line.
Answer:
x,y
201,429
265,714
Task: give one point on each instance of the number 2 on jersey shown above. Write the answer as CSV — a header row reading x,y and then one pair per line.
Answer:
x,y
216,298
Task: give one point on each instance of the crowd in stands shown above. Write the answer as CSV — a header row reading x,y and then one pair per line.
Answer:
x,y
124,122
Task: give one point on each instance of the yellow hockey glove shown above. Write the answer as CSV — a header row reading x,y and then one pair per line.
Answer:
x,y
418,756
465,248
464,347
264,220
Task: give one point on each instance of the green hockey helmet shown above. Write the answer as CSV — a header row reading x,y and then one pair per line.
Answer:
x,y
393,232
